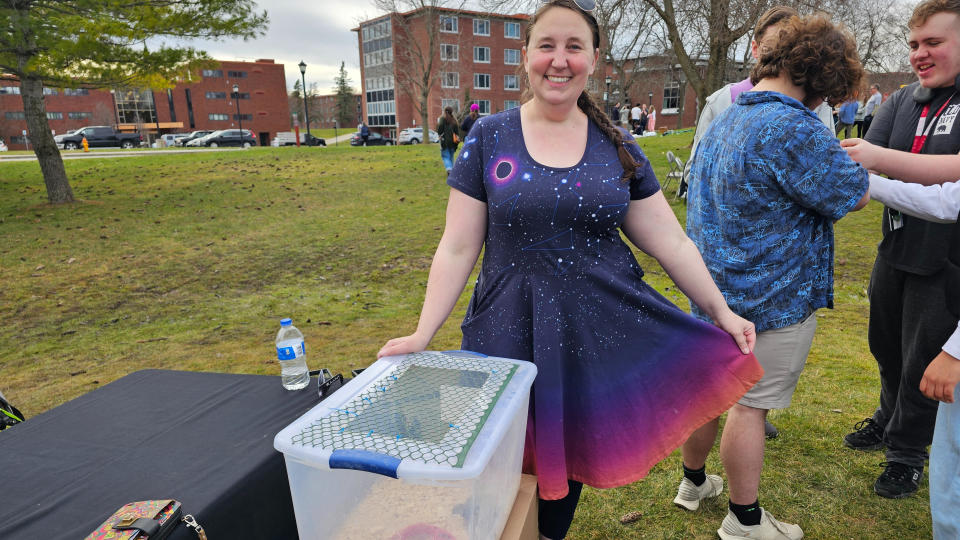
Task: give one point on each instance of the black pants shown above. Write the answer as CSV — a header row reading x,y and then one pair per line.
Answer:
x,y
554,517
866,125
909,323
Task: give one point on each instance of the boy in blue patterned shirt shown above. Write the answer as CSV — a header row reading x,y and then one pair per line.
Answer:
x,y
769,182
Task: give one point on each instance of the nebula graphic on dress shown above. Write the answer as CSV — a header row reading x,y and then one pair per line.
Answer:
x,y
504,170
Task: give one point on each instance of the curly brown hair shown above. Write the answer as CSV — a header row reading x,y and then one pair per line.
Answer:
x,y
927,9
818,56
770,17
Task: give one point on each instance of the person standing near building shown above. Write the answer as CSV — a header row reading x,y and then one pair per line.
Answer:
x,y
625,116
364,132
635,113
909,315
651,119
768,183
870,108
846,117
449,137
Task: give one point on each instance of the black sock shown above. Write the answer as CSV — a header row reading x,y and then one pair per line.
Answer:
x,y
747,514
697,476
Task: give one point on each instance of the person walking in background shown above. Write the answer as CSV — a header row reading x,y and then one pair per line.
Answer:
x,y
449,137
909,315
870,108
768,182
364,132
545,190
846,117
468,121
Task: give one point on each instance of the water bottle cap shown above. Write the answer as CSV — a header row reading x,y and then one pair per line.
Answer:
x,y
285,322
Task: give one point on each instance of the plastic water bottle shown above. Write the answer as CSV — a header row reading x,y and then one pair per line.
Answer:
x,y
293,357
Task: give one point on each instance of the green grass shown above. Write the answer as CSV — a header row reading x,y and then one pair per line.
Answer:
x,y
188,261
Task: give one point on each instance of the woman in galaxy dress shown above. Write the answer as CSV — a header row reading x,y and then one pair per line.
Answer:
x,y
624,376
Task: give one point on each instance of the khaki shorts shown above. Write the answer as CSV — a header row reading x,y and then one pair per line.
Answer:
x,y
782,352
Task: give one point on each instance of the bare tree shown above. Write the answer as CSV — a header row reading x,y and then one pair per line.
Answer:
x,y
417,47
628,30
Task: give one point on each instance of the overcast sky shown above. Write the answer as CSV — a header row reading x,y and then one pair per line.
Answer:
x,y
317,32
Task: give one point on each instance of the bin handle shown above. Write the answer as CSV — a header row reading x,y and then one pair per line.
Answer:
x,y
365,460
461,352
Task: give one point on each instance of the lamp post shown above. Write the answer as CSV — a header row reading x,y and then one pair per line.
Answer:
x,y
236,99
649,99
606,95
306,112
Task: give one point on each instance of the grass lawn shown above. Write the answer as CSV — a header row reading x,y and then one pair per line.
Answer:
x,y
188,261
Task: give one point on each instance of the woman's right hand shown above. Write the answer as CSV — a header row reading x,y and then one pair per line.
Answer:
x,y
403,345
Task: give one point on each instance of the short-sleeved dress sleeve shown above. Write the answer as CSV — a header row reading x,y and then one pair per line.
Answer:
x,y
644,183
467,173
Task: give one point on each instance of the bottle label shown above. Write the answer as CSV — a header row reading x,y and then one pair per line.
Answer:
x,y
291,353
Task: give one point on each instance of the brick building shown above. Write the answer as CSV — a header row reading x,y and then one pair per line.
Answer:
x,y
207,103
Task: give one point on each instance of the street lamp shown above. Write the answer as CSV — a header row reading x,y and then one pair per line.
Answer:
x,y
306,112
649,99
236,99
606,95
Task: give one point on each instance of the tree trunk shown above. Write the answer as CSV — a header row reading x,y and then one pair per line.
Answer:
x,y
45,148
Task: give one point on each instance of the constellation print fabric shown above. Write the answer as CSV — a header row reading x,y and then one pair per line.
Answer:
x,y
624,376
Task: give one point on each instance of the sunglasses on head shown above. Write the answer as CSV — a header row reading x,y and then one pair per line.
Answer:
x,y
585,5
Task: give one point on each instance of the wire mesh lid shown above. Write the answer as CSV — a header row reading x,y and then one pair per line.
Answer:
x,y
429,408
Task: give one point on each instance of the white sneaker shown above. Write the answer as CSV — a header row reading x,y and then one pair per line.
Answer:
x,y
689,495
768,529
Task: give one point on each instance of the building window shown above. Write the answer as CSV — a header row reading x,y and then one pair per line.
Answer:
x,y
237,74
384,56
452,103
212,73
54,116
484,105
241,95
19,139
15,115
217,116
510,82
510,104
481,54
449,52
76,92
79,115
135,107
243,117
450,79
511,30
671,97
481,27
481,81
376,31
50,91
448,24
511,57
216,95
9,90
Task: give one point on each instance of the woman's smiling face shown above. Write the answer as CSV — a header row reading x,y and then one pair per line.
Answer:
x,y
559,56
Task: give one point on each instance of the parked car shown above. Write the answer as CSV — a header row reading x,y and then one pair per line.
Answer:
x,y
414,135
375,139
170,139
226,137
288,138
193,136
59,138
101,137
3,146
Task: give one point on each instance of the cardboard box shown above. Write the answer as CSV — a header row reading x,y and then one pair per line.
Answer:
x,y
522,523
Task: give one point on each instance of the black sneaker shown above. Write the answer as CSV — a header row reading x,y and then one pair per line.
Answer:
x,y
770,431
897,480
868,436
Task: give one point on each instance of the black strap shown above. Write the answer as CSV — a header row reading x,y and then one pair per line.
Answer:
x,y
150,527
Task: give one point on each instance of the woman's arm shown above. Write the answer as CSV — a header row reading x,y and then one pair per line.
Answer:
x,y
926,169
652,227
452,263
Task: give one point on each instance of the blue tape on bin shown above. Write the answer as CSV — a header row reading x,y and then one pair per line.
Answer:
x,y
364,460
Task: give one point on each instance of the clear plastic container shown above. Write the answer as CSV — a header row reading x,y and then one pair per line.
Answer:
x,y
424,445
292,354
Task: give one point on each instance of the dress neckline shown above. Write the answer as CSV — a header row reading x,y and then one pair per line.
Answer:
x,y
526,153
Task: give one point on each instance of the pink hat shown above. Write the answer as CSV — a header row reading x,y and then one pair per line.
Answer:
x,y
474,107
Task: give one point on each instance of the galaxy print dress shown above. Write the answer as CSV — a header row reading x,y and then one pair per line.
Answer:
x,y
624,376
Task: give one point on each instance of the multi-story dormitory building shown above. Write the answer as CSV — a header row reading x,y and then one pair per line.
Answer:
x,y
205,104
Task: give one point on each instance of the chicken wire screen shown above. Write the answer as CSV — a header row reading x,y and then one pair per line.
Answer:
x,y
429,408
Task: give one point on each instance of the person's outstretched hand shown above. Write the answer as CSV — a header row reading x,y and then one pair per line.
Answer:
x,y
404,345
941,377
742,330
863,152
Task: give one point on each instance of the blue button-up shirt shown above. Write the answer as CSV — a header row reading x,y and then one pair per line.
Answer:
x,y
767,184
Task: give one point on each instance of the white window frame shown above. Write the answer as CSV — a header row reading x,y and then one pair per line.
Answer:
x,y
478,27
455,103
484,105
516,83
449,28
486,53
514,51
510,104
672,85
446,48
476,79
506,33
444,83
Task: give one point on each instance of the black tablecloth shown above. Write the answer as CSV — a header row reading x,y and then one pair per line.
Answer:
x,y
205,439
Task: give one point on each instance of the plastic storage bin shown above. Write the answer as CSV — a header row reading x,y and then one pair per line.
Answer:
x,y
424,445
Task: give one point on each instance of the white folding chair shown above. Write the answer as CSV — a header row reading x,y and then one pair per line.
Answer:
x,y
674,171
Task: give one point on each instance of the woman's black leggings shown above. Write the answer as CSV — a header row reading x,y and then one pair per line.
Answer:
x,y
554,517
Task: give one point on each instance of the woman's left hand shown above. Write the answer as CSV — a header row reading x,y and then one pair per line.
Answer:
x,y
741,329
